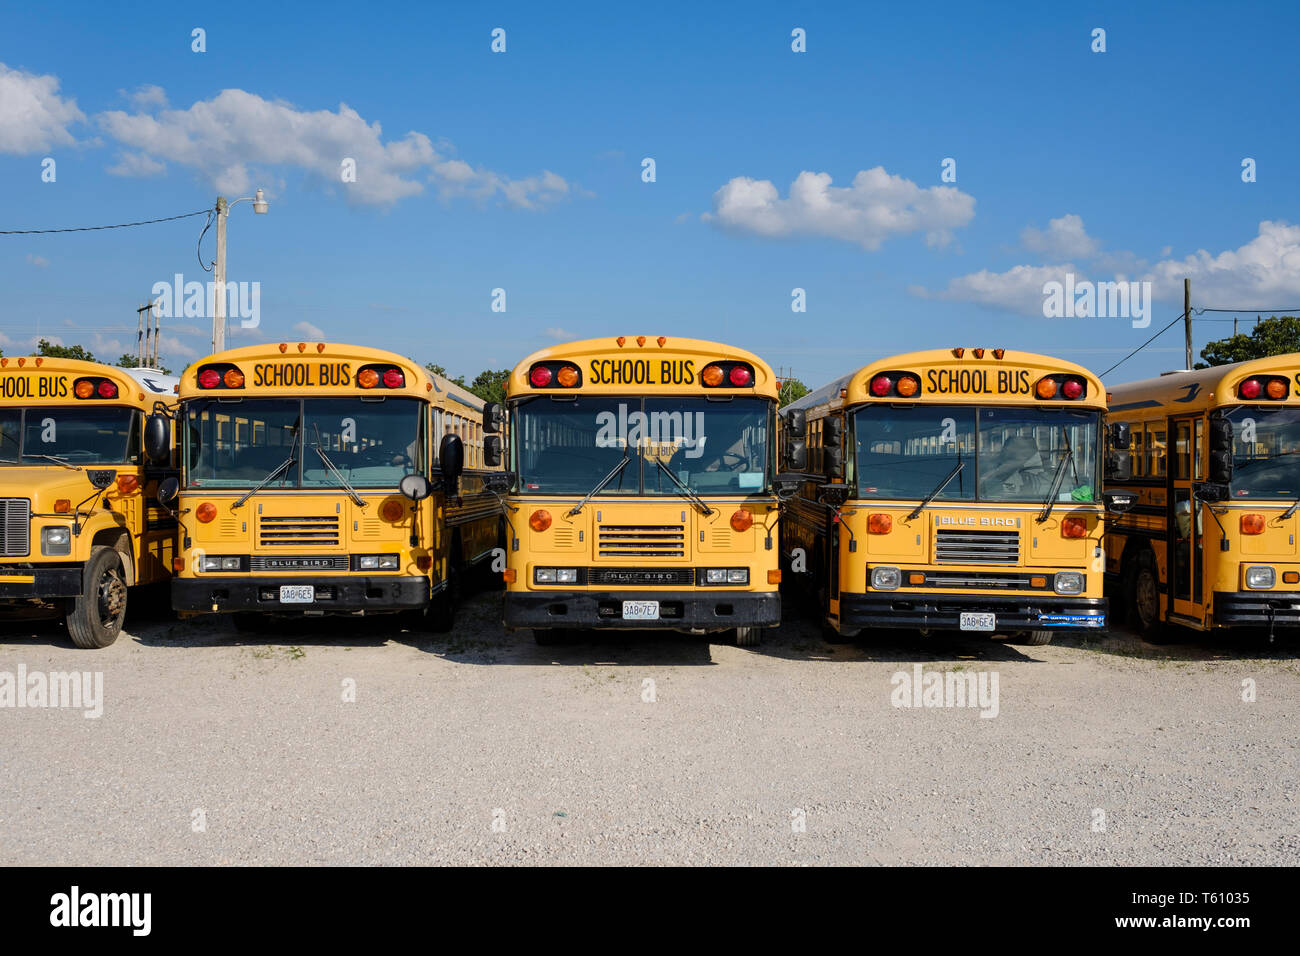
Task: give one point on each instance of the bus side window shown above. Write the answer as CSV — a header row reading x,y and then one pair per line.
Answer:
x,y
1197,444
1156,453
1137,453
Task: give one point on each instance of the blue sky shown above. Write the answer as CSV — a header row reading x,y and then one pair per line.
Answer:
x,y
522,170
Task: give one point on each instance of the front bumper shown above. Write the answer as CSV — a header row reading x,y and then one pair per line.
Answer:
x,y
683,610
1256,608
35,582
340,595
943,611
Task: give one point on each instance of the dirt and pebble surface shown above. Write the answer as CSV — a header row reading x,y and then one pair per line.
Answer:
x,y
367,741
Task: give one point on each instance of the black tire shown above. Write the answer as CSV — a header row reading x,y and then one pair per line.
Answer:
x,y
1032,638
747,636
1142,597
442,609
832,636
95,619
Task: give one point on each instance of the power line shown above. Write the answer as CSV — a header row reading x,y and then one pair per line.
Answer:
x,y
120,225
1293,311
1177,318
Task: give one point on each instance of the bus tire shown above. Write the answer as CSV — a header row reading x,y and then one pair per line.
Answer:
x,y
96,616
442,609
1142,596
1032,638
247,622
831,634
747,636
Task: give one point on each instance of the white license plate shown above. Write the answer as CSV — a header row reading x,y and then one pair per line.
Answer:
x,y
297,594
978,621
640,610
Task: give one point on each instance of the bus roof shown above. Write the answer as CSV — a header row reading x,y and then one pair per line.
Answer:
x,y
1205,388
643,364
137,386
258,361
950,378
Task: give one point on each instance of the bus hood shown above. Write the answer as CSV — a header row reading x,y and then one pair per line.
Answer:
x,y
44,485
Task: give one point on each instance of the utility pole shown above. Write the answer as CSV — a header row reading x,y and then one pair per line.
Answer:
x,y
1187,319
219,280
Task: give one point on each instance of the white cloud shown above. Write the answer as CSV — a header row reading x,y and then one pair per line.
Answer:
x,y
560,335
33,116
874,208
1065,238
143,97
310,331
137,164
1019,289
221,137
39,262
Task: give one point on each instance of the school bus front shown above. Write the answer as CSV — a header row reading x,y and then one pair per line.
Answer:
x,y
960,490
79,523
643,489
291,499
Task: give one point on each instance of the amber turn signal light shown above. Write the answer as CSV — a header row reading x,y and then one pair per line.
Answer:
x,y
178,564
879,523
205,512
1252,524
391,510
1073,526
508,575
62,506
742,519
127,484
539,520
774,577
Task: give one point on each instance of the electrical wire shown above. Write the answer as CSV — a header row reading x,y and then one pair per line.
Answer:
x,y
199,249
120,225
1177,318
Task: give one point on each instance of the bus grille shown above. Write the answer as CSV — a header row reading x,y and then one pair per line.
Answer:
x,y
976,547
642,577
311,562
298,531
15,526
641,540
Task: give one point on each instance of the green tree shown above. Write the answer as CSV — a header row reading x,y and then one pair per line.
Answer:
x,y
129,361
490,386
791,391
48,349
436,369
1276,335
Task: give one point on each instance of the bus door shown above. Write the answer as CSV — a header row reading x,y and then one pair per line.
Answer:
x,y
1187,526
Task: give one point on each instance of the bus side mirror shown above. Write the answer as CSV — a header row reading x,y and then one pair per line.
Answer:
x,y
796,454
158,439
499,482
494,417
1119,465
451,461
787,486
834,458
832,431
1121,436
1118,502
796,423
168,491
1220,449
1211,492
415,487
492,449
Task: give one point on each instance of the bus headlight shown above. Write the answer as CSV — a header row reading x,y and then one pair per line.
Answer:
x,y
1068,582
555,575
376,562
726,576
885,579
220,563
1259,577
56,541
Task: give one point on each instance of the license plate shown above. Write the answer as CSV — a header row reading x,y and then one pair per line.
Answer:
x,y
978,621
640,610
297,594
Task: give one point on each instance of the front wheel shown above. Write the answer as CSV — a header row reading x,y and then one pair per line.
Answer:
x,y
1032,638
96,616
747,636
1142,597
442,610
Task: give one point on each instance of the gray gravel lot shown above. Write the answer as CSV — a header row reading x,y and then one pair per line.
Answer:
x,y
479,747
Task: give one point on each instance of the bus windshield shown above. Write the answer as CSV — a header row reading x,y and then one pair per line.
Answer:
x,y
371,443
566,446
1265,452
76,434
1007,454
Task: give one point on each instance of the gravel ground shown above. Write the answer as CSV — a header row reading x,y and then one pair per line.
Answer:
x,y
216,747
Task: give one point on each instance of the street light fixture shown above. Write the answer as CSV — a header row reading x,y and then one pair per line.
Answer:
x,y
260,206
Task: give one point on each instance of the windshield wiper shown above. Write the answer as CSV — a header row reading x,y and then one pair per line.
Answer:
x,y
352,492
681,486
938,488
1050,503
266,481
57,460
618,470
1290,511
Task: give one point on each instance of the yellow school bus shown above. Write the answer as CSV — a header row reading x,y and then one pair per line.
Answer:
x,y
319,478
80,524
950,489
1211,457
644,490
